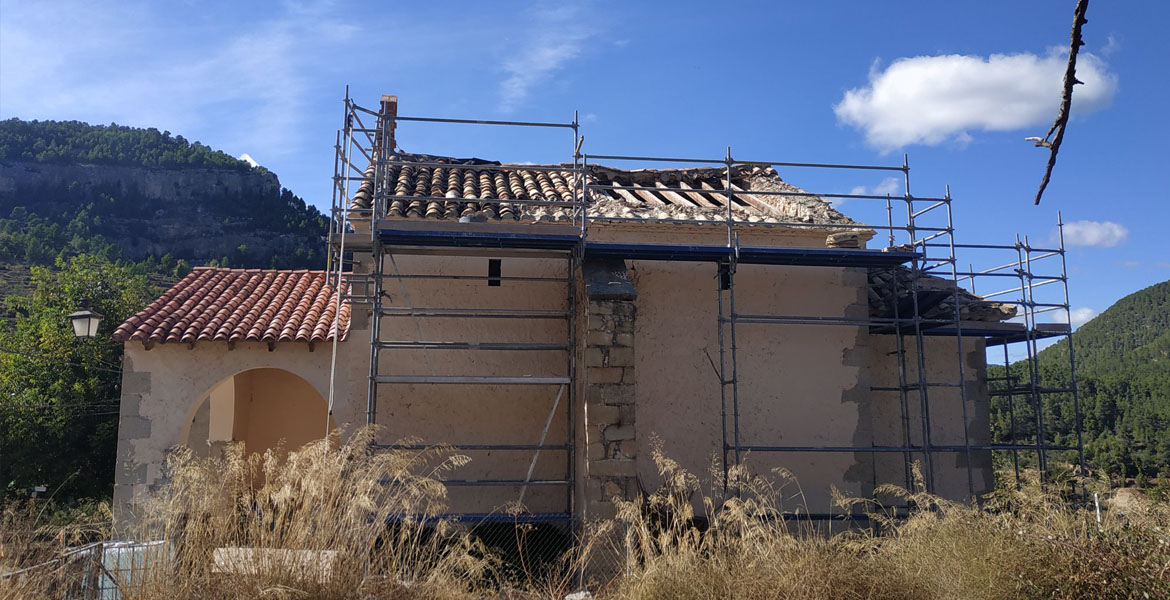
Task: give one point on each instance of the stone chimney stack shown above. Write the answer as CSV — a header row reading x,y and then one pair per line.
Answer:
x,y
389,112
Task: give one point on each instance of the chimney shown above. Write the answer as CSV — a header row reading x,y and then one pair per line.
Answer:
x,y
389,111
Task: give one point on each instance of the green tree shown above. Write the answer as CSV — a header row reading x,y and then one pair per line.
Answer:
x,y
59,395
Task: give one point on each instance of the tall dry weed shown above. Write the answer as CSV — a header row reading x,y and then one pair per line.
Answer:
x,y
324,522
1020,544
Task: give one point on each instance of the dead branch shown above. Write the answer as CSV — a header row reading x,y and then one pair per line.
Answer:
x,y
1070,79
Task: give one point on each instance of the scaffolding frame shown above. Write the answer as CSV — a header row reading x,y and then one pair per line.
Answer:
x,y
375,144
922,237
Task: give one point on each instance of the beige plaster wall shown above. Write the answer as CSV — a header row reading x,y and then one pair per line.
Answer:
x,y
275,408
945,406
164,386
797,383
479,414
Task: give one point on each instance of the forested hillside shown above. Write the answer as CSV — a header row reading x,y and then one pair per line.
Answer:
x,y
105,216
141,194
1123,375
74,142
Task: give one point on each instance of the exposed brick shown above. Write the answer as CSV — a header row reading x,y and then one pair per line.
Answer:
x,y
627,412
621,357
617,433
628,375
596,451
628,448
594,357
613,467
603,413
595,375
623,339
599,338
596,323
611,489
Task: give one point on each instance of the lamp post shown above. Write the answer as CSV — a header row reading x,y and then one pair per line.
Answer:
x,y
85,321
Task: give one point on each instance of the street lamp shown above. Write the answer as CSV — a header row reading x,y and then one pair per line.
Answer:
x,y
85,321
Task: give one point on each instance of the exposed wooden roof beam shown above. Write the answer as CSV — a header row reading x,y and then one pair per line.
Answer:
x,y
756,203
647,194
627,194
719,195
672,196
698,197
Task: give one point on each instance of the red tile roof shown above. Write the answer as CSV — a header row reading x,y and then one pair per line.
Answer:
x,y
421,186
232,305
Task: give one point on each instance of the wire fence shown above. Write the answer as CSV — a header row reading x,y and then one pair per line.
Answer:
x,y
98,571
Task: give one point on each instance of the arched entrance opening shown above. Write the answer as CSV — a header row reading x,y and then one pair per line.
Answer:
x,y
261,408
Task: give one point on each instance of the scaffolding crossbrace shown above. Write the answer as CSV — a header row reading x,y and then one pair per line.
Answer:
x,y
921,241
358,236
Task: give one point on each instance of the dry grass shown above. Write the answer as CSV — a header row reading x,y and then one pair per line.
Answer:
x,y
330,507
1021,544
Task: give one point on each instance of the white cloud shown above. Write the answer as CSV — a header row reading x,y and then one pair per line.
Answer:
x,y
138,65
1112,45
1105,234
889,186
1130,263
933,99
556,36
1079,316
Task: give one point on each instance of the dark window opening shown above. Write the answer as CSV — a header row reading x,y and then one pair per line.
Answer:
x,y
494,272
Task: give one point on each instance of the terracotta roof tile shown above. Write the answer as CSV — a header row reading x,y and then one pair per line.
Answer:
x,y
262,305
451,191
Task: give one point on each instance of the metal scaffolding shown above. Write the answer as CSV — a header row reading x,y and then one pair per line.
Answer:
x,y
921,251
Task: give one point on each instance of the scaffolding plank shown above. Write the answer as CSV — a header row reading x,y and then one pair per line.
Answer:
x,y
501,346
475,313
815,257
456,238
471,380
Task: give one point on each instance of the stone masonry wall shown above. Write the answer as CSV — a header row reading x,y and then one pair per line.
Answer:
x,y
609,408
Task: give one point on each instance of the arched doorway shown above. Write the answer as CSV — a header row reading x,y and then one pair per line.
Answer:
x,y
259,407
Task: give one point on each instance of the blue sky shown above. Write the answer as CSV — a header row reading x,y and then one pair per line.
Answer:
x,y
956,85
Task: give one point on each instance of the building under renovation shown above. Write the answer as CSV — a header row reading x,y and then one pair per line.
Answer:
x,y
558,322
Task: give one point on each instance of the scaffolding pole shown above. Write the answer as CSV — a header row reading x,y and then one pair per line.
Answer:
x,y
909,323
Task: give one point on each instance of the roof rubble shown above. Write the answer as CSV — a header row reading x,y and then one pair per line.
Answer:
x,y
936,298
445,188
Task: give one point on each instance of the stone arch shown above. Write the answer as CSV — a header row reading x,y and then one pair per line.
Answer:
x,y
263,407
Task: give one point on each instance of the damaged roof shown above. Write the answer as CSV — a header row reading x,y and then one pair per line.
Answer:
x,y
890,296
439,187
236,305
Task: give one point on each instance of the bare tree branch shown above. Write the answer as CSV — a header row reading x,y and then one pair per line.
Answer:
x,y
1070,79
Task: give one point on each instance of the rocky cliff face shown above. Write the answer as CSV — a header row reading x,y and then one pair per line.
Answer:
x,y
194,213
166,186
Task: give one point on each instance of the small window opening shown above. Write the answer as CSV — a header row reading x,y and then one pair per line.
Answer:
x,y
494,272
724,276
